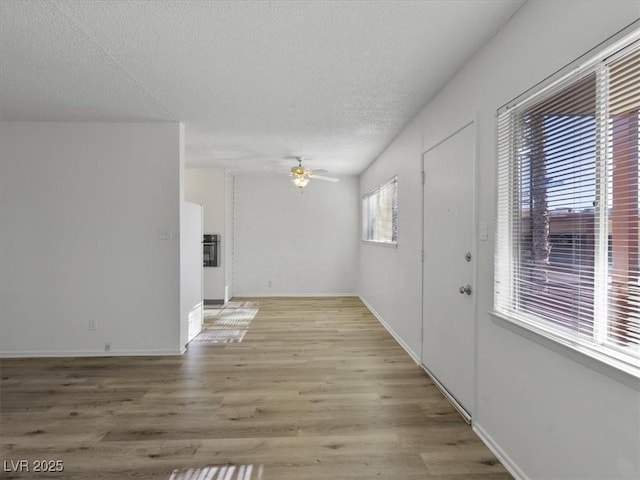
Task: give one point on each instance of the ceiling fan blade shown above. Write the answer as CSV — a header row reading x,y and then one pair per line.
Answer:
x,y
319,170
321,177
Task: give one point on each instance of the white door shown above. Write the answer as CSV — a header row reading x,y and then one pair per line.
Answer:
x,y
448,343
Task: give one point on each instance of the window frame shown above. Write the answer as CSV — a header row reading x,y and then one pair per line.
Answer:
x,y
369,196
508,196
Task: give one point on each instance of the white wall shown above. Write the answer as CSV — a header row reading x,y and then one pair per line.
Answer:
x,y
229,228
304,243
82,210
191,305
390,280
206,187
547,412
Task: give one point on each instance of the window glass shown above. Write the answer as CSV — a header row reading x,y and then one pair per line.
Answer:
x,y
567,236
380,214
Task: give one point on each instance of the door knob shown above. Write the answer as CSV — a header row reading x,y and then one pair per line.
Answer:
x,y
465,289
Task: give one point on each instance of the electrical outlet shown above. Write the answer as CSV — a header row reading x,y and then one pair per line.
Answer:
x,y
107,347
93,324
270,284
165,234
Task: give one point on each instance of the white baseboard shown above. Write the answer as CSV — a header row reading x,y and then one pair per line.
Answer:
x,y
96,353
412,354
508,463
293,295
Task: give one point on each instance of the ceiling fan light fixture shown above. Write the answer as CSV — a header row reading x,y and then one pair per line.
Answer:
x,y
300,181
300,176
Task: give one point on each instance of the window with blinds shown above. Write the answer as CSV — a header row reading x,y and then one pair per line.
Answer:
x,y
567,237
380,214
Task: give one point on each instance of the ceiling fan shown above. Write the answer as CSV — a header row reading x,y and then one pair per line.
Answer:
x,y
300,176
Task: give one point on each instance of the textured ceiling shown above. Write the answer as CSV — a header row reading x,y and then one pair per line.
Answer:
x,y
254,82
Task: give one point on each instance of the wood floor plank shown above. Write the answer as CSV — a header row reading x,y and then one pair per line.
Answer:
x,y
317,389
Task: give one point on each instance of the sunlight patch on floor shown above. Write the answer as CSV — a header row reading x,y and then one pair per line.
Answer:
x,y
224,472
227,324
221,336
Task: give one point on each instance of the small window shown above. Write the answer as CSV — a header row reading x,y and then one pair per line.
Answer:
x,y
380,214
568,241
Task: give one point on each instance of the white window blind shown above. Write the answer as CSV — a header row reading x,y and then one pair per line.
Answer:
x,y
380,214
567,237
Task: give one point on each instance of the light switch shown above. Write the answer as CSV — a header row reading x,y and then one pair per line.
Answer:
x,y
484,233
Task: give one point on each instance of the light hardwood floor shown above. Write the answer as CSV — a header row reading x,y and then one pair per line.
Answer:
x,y
316,390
